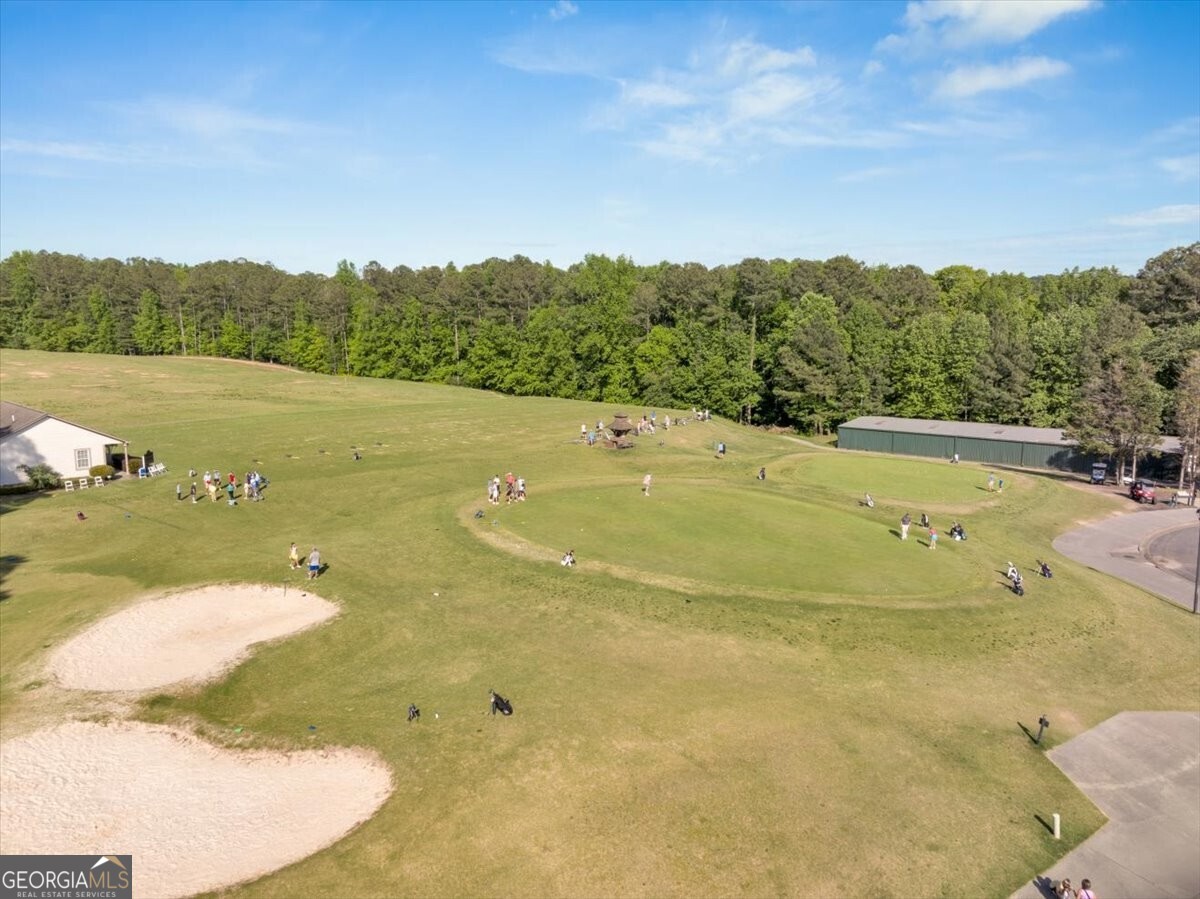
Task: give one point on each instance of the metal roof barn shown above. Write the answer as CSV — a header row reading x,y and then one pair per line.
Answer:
x,y
992,444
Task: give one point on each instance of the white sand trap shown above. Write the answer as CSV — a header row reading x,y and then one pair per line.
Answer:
x,y
193,636
195,817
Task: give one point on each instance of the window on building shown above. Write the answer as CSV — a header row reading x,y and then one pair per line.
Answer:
x,y
83,459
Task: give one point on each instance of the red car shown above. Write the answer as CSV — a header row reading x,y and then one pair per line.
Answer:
x,y
1143,492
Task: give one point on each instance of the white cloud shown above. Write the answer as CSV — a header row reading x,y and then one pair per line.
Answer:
x,y
77,152
1183,214
746,57
655,93
770,96
967,81
202,118
1187,129
872,68
1181,168
870,174
932,24
563,9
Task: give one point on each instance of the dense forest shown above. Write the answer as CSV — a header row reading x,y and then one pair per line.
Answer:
x,y
803,344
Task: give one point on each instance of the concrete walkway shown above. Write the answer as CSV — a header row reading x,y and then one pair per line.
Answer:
x,y
1142,769
1120,546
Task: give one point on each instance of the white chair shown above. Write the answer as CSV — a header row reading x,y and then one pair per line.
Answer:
x,y
83,483
69,485
99,481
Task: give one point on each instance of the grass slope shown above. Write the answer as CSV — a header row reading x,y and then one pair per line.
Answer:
x,y
746,687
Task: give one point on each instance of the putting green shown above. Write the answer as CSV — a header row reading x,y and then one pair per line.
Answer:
x,y
761,540
915,483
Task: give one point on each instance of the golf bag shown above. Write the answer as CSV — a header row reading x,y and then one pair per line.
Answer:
x,y
501,705
1046,572
1018,586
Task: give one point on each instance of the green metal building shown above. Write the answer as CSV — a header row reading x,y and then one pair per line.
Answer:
x,y
973,442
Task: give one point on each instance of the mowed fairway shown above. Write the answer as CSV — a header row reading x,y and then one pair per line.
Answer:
x,y
744,688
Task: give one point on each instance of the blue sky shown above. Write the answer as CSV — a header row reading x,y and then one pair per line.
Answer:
x,y
1019,136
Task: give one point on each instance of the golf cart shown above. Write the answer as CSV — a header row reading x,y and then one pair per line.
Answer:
x,y
1099,472
1143,492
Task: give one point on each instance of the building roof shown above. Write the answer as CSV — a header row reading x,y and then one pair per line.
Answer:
x,y
15,418
980,431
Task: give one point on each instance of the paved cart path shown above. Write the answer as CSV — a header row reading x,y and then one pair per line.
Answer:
x,y
1135,548
1142,769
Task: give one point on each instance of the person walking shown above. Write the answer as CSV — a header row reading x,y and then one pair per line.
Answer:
x,y
905,523
294,557
314,564
933,538
179,493
646,485
1064,890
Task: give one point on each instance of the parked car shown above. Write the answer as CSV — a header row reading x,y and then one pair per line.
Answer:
x,y
1143,492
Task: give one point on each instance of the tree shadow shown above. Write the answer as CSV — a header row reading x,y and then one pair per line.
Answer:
x,y
11,502
7,564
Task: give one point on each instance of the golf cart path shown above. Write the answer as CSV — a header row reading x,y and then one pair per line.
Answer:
x,y
1142,769
1120,546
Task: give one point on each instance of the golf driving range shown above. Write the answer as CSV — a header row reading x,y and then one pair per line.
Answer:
x,y
743,687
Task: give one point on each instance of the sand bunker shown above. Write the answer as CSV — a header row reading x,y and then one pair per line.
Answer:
x,y
194,816
193,636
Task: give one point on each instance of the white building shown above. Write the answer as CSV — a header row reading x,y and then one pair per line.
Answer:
x,y
28,436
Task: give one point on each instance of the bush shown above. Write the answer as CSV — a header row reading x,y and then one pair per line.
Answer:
x,y
41,476
103,471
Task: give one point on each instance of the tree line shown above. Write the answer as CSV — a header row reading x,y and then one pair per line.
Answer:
x,y
802,343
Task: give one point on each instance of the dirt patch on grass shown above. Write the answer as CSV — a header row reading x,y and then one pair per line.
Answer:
x,y
194,636
195,817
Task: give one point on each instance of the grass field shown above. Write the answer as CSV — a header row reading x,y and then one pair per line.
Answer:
x,y
744,688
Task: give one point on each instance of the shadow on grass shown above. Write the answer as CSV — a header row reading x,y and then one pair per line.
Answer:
x,y
7,564
1046,824
1032,739
13,501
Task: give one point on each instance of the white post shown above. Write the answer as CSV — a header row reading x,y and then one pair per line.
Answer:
x,y
1057,833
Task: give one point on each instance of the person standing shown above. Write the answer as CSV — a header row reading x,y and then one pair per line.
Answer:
x,y
179,492
232,478
991,482
193,492
933,538
230,489
1085,890
314,564
294,557
583,432
646,485
905,523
